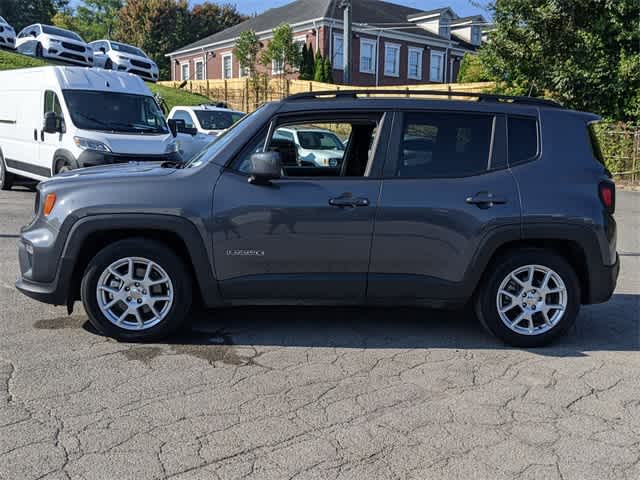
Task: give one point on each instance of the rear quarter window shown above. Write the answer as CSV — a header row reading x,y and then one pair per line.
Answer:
x,y
523,139
596,148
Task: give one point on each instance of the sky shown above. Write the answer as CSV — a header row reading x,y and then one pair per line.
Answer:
x,y
461,7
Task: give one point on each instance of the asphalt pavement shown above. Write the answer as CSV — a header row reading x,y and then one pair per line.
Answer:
x,y
318,393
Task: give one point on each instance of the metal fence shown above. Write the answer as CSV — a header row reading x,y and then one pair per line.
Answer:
x,y
620,144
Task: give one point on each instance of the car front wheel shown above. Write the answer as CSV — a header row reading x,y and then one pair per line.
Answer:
x,y
136,290
529,298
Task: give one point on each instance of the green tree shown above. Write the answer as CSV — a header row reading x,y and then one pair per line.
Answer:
x,y
98,19
156,26
327,70
21,13
318,68
472,70
281,51
209,18
246,51
585,53
303,66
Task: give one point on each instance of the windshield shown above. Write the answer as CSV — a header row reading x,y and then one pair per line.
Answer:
x,y
59,32
121,47
316,140
114,112
217,119
211,150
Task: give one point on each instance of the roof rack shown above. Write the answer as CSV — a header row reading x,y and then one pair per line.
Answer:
x,y
482,97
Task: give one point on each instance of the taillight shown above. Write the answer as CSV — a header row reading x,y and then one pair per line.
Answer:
x,y
607,192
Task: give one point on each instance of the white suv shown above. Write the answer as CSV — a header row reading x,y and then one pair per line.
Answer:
x,y
124,58
207,119
7,34
45,41
316,147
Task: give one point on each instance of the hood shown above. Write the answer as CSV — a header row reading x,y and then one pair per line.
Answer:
x,y
132,170
72,41
131,143
131,56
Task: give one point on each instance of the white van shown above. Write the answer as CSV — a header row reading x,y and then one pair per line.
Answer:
x,y
54,119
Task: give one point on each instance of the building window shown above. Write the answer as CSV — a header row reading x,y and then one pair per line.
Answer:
x,y
476,36
277,66
338,52
227,66
200,70
184,71
437,67
245,72
445,28
415,63
392,59
368,56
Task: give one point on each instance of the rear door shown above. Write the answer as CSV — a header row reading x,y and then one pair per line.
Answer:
x,y
446,190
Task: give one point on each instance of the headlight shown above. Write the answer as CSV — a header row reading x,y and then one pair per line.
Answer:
x,y
88,144
171,148
53,40
119,57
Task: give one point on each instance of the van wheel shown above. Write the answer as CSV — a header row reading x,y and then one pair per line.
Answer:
x,y
6,178
136,290
63,166
530,297
39,51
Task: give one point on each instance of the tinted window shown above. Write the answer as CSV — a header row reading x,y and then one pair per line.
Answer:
x,y
438,145
51,103
182,115
217,119
121,47
595,143
523,139
59,32
317,140
283,135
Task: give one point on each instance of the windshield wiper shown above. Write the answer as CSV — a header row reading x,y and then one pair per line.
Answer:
x,y
93,119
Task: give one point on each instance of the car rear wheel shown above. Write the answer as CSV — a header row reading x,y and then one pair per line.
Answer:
x,y
39,51
6,178
136,290
529,298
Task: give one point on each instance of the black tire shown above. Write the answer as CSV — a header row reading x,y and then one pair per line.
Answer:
x,y
177,315
108,65
39,50
63,166
6,178
486,299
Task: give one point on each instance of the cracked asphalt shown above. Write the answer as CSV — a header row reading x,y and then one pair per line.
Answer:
x,y
318,393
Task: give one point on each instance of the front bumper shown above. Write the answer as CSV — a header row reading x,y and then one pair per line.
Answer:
x,y
92,158
146,74
603,282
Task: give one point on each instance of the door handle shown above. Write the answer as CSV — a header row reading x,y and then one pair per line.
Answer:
x,y
485,200
35,134
350,202
42,135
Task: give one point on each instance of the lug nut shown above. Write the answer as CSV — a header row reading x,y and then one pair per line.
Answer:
x,y
533,307
139,300
126,289
137,284
128,299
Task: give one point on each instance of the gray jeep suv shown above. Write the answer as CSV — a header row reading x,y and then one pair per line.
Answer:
x,y
502,203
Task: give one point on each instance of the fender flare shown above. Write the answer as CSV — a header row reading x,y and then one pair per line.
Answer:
x,y
62,153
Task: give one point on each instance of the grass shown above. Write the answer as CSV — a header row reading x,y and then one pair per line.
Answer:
x,y
172,96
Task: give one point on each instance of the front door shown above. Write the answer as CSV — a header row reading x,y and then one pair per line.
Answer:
x,y
446,188
50,142
307,236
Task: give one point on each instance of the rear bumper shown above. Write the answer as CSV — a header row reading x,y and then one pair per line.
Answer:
x,y
603,282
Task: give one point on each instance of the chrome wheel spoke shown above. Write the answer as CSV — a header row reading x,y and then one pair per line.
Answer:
x,y
131,305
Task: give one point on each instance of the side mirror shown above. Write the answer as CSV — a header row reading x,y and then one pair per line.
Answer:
x,y
52,123
173,126
265,167
103,50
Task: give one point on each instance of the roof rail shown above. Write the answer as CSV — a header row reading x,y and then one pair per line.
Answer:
x,y
482,97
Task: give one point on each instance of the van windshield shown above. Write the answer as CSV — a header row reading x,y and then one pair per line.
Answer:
x,y
115,112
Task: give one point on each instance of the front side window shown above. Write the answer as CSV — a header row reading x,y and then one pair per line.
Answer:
x,y
338,52
182,115
445,145
227,67
367,56
437,67
415,64
115,112
319,150
184,71
392,59
523,139
51,103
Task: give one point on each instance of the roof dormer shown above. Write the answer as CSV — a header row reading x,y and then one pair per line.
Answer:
x,y
437,21
469,29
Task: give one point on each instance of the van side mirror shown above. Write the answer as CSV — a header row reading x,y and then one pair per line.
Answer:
x,y
173,126
103,50
52,123
265,167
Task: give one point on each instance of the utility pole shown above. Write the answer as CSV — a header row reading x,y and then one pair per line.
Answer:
x,y
347,43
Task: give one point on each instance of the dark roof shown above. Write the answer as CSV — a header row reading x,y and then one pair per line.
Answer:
x,y
422,13
463,43
471,18
376,13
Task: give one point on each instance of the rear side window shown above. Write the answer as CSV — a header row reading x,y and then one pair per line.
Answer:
x,y
523,139
595,143
445,145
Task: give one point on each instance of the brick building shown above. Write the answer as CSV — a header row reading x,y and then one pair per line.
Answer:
x,y
392,44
